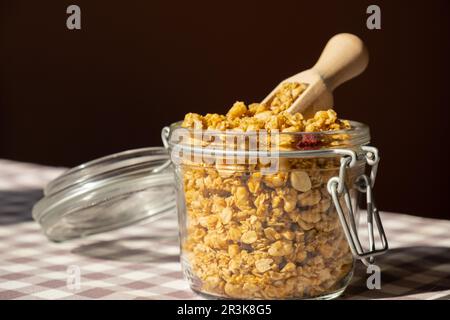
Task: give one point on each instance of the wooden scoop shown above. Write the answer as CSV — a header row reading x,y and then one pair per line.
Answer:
x,y
343,58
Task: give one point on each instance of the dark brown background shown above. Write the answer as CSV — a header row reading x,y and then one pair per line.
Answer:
x,y
70,96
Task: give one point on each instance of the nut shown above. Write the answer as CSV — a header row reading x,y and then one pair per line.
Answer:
x,y
263,265
300,181
280,248
271,234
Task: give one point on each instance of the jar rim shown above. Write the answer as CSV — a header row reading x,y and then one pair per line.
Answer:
x,y
354,125
356,136
113,164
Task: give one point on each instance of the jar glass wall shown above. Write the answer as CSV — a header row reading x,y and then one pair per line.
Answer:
x,y
252,234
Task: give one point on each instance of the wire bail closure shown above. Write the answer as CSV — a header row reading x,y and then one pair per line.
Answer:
x,y
336,186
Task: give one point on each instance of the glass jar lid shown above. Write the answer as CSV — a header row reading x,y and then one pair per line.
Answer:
x,y
107,193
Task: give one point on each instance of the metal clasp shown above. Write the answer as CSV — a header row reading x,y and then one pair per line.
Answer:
x,y
164,136
336,186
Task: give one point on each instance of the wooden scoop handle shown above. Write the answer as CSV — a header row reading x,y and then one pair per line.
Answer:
x,y
343,58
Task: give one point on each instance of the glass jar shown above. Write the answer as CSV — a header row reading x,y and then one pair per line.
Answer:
x,y
271,216
260,215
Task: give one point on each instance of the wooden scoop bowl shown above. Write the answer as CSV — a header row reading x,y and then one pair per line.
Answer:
x,y
343,58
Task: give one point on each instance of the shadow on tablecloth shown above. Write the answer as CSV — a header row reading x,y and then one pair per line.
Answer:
x,y
137,249
16,206
406,272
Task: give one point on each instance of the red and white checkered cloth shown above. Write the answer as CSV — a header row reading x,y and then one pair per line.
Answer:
x,y
141,262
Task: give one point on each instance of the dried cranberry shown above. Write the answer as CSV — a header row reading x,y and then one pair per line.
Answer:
x,y
308,142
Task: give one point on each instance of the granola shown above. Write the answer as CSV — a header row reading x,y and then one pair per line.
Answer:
x,y
253,236
261,116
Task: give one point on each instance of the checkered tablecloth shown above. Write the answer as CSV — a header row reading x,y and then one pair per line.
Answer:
x,y
141,262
